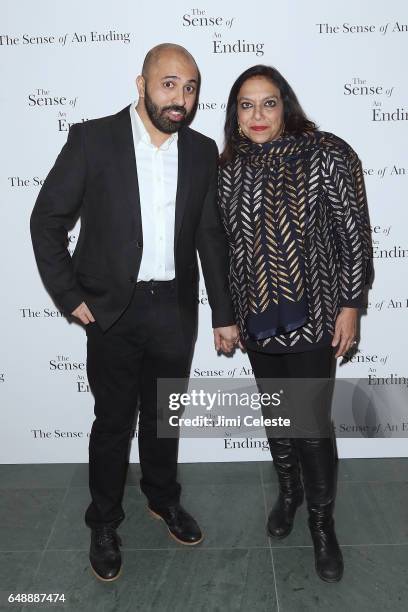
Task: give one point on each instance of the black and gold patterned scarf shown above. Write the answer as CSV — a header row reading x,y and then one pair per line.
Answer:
x,y
268,185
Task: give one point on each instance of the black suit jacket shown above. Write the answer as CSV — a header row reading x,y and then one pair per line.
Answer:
x,y
95,176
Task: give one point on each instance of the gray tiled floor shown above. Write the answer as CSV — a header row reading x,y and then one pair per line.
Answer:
x,y
44,542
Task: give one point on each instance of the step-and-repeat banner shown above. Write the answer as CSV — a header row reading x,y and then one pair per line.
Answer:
x,y
63,63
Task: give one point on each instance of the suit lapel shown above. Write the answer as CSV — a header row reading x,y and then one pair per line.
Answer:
x,y
124,155
183,179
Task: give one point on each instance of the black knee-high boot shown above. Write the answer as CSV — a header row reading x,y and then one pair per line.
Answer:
x,y
318,463
285,460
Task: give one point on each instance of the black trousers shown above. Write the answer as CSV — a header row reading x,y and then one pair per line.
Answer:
x,y
123,365
318,363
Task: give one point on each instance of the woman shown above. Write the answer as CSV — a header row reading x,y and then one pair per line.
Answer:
x,y
293,205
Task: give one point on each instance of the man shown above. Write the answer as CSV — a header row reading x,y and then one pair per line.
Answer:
x,y
144,184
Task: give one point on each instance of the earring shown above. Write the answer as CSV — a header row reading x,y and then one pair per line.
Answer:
x,y
240,132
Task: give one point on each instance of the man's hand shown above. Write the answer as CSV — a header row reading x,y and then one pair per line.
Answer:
x,y
345,330
226,338
83,314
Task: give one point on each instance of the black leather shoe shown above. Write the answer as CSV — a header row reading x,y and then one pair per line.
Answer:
x,y
181,525
281,517
328,557
104,553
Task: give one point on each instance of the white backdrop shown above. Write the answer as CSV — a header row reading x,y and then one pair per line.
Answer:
x,y
63,63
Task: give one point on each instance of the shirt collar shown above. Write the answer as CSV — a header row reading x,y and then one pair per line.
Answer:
x,y
140,133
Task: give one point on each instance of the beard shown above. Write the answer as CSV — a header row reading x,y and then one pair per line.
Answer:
x,y
160,120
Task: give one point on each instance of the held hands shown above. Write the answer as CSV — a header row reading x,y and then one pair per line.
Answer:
x,y
227,338
83,314
345,330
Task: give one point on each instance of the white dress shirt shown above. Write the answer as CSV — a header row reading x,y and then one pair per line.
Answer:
x,y
157,169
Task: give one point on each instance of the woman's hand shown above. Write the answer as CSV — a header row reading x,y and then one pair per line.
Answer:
x,y
226,338
345,330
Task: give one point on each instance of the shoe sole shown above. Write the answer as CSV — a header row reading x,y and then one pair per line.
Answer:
x,y
107,579
279,537
158,517
331,580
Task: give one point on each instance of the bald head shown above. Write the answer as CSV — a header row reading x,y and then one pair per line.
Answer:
x,y
164,51
168,88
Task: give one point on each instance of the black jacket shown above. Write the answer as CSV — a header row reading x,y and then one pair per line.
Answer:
x,y
95,176
314,183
